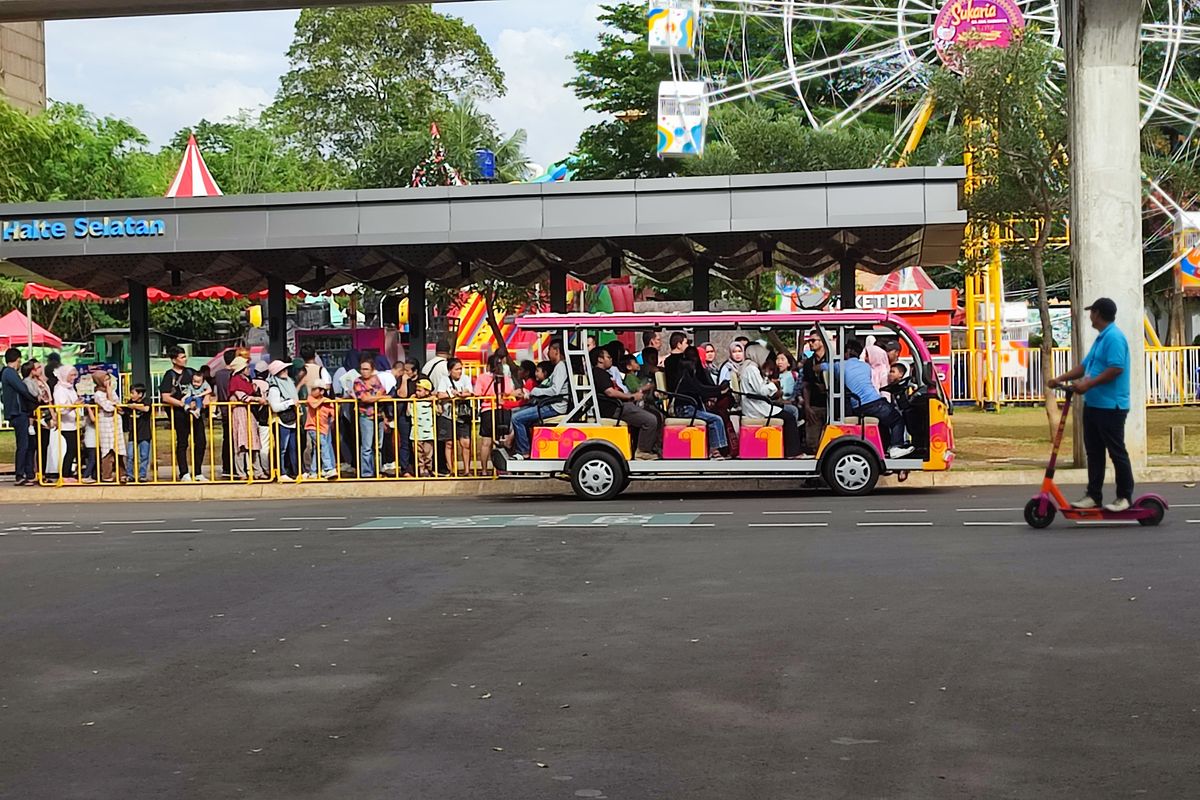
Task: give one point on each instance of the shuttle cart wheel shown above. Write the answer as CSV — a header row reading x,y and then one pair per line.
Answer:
x,y
851,471
1156,509
1037,518
597,475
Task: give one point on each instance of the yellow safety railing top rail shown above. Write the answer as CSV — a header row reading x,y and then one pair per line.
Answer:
x,y
239,442
1172,375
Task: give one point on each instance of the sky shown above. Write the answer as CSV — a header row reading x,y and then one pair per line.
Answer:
x,y
165,73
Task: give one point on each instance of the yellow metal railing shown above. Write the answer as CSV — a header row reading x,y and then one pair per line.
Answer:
x,y
1172,375
336,440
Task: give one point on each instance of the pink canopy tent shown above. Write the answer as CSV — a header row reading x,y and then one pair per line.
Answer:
x,y
15,332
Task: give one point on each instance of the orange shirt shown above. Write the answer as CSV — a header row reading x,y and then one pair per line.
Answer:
x,y
324,413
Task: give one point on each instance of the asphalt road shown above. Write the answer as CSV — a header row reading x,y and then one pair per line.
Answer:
x,y
915,644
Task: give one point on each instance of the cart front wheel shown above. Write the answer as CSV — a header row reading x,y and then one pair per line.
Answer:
x,y
1035,517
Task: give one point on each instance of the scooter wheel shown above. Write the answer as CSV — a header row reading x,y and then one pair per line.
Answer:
x,y
1037,518
1156,509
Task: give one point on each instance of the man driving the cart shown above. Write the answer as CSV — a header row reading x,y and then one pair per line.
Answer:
x,y
1102,380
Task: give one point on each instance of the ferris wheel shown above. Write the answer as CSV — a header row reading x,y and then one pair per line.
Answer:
x,y
838,60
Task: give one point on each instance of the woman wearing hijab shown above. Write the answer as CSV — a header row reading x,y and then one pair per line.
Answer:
x,y
709,351
284,400
758,395
731,367
66,420
877,358
35,381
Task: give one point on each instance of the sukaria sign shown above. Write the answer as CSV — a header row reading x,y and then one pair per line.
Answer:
x,y
35,230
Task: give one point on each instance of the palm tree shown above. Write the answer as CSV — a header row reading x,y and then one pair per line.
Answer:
x,y
465,128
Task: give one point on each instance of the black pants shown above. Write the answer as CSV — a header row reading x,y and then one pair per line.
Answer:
x,y
23,459
890,421
1104,431
189,428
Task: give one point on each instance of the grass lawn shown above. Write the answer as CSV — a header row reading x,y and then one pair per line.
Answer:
x,y
1017,437
1020,436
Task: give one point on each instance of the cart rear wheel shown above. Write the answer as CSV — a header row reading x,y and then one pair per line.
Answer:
x,y
851,471
1157,512
1035,517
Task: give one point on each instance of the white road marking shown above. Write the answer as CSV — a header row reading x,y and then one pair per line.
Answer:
x,y
134,522
894,524
226,519
177,530
65,533
716,513
797,512
679,525
986,510
1184,505
992,524
896,511
789,524
263,530
1112,522
308,519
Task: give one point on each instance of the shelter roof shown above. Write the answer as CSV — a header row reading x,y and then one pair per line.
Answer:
x,y
740,225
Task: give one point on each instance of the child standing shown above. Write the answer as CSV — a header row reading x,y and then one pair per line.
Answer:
x,y
141,419
318,430
424,427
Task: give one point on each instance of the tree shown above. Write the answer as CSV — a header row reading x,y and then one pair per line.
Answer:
x,y
359,79
249,156
466,129
69,154
1016,131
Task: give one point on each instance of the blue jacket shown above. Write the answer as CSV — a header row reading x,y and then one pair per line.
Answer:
x,y
15,394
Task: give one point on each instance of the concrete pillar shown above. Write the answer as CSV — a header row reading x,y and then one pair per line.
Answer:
x,y
701,282
418,316
558,290
1102,52
139,333
277,318
848,280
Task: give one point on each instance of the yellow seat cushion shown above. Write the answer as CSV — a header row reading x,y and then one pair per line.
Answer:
x,y
676,422
762,422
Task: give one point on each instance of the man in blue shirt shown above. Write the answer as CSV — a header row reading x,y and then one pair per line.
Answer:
x,y
865,401
1103,382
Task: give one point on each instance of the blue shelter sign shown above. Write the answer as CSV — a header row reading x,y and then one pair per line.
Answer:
x,y
35,230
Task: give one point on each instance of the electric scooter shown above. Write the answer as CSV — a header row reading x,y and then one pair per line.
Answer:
x,y
1149,509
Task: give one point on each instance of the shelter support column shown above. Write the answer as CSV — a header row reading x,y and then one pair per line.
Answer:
x,y
701,283
558,290
418,316
1102,53
277,317
848,281
139,333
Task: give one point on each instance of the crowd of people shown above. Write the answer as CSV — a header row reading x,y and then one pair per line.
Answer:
x,y
371,417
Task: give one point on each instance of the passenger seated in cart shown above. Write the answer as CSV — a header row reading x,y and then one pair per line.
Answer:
x,y
695,388
865,401
758,395
616,403
544,402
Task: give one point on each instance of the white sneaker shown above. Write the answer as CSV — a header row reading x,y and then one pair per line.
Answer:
x,y
310,476
389,467
329,474
518,457
1085,502
900,450
185,479
286,479
1120,504
201,479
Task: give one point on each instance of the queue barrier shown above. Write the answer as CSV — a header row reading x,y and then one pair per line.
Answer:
x,y
1172,375
403,439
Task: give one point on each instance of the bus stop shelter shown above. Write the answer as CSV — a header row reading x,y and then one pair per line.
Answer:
x,y
733,226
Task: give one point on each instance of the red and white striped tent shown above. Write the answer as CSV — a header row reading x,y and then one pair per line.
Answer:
x,y
193,178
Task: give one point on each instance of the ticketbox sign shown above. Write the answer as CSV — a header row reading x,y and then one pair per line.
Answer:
x,y
916,300
39,230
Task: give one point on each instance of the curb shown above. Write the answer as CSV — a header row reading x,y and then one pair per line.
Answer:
x,y
544,487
